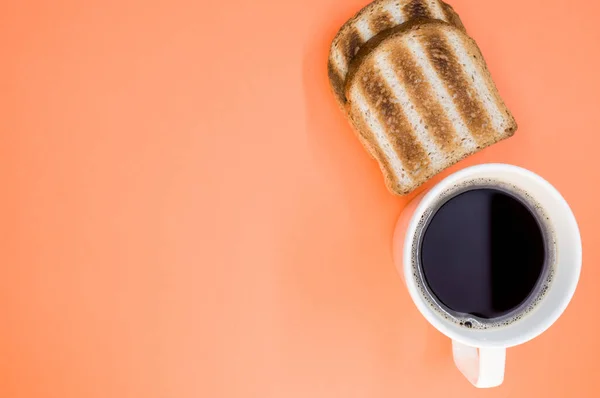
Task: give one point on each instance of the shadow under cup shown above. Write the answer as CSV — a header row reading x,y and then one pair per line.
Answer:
x,y
566,263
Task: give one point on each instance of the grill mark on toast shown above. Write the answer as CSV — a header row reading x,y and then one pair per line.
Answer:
x,y
336,81
352,45
436,10
382,21
349,45
475,69
371,130
459,85
395,123
440,91
416,9
419,129
421,93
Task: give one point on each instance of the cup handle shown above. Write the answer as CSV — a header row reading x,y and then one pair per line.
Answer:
x,y
483,367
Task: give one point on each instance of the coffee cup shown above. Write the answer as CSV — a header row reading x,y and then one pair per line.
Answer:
x,y
440,258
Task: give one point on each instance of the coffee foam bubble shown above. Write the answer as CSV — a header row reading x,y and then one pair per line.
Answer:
x,y
468,320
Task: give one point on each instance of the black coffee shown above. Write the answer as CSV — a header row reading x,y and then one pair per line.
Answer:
x,y
483,253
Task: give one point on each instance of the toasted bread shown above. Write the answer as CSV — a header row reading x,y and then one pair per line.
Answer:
x,y
373,19
421,98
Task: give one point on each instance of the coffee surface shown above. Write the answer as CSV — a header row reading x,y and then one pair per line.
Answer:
x,y
483,253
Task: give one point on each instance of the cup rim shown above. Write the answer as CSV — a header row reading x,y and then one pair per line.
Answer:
x,y
425,203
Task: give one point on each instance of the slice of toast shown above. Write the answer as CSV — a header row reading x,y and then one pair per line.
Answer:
x,y
372,20
421,98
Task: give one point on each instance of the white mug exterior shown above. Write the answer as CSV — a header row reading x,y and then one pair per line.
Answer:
x,y
480,354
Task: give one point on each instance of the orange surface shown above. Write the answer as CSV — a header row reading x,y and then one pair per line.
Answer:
x,y
186,213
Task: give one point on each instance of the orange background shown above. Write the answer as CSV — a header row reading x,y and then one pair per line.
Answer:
x,y
186,213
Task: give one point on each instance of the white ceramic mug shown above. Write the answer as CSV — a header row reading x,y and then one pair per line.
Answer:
x,y
480,354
